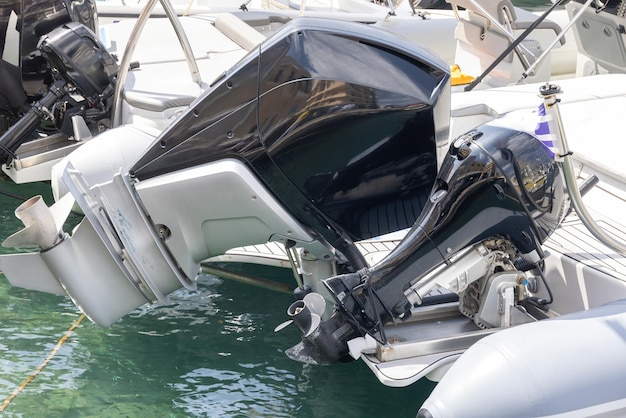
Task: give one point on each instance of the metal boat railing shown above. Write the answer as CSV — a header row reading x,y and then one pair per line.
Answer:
x,y
549,93
116,117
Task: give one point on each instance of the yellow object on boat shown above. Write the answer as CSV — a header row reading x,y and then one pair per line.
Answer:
x,y
457,78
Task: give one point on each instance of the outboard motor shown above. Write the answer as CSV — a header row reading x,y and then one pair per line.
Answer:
x,y
26,75
343,124
326,133
80,64
494,183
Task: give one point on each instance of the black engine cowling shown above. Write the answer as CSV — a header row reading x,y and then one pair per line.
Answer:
x,y
26,76
80,64
76,54
344,124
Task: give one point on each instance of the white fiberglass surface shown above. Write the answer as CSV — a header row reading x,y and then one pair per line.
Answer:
x,y
214,207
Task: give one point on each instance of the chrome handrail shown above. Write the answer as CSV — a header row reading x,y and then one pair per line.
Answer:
x,y
116,111
563,155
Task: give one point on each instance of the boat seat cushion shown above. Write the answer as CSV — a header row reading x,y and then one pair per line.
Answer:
x,y
498,100
238,31
157,102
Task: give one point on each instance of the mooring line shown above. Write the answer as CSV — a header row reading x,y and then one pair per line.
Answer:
x,y
56,348
9,194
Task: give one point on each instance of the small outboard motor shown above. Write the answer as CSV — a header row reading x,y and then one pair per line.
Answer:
x,y
494,183
26,75
79,63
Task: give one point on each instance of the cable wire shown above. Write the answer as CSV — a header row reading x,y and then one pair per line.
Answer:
x,y
30,378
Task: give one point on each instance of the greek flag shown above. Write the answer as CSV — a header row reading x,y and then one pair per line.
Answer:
x,y
544,133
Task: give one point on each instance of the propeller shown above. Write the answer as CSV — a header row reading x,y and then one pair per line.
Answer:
x,y
305,313
42,224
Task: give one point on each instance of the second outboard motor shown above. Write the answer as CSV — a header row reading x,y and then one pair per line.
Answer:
x,y
80,63
494,183
26,75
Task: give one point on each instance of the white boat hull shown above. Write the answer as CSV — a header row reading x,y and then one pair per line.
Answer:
x,y
570,366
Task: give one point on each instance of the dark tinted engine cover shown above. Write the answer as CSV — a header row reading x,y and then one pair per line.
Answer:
x,y
350,122
339,120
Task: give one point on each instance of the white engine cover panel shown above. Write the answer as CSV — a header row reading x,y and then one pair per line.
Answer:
x,y
91,277
102,157
212,208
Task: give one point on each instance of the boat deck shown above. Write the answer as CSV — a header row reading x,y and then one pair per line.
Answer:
x,y
273,253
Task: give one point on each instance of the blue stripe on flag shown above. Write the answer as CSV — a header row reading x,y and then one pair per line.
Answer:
x,y
543,128
541,111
